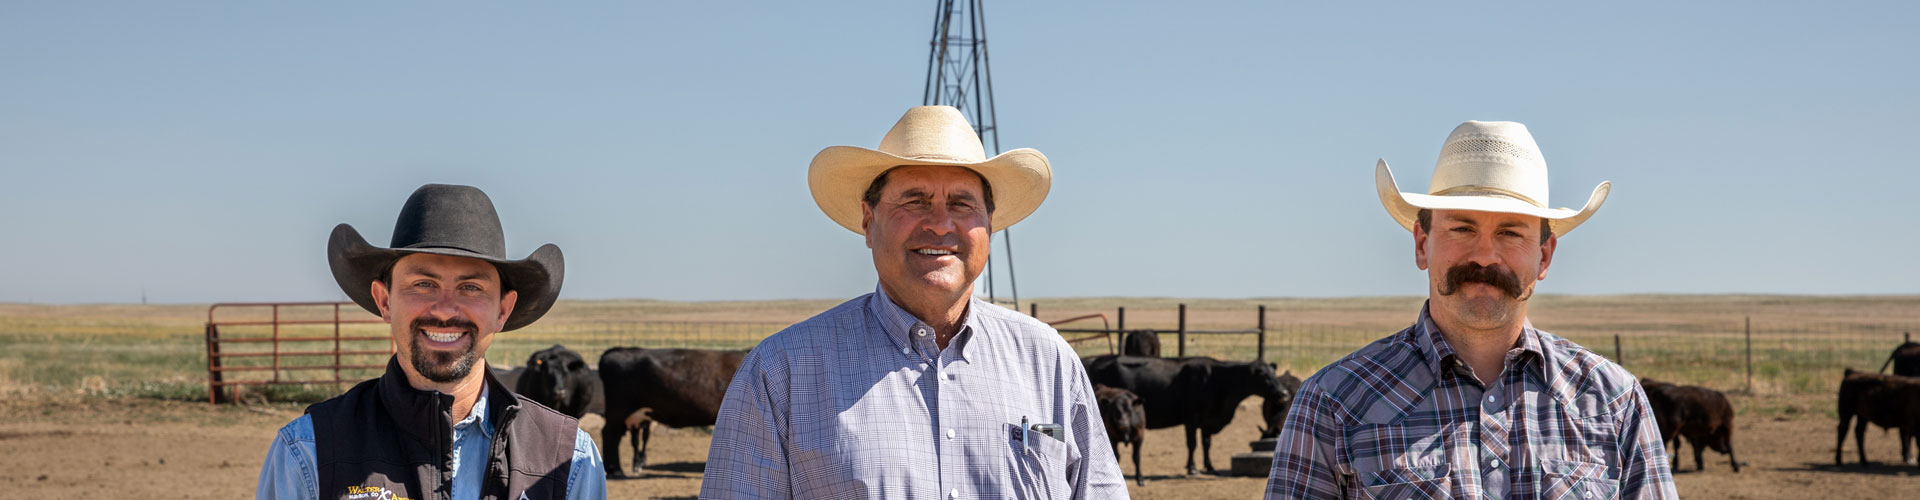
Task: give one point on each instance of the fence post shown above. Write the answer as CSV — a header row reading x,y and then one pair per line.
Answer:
x,y
1749,354
1618,356
1033,310
1183,330
1260,352
1120,328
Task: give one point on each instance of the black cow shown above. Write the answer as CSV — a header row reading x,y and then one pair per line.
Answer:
x,y
1122,413
1905,360
1702,415
677,387
1889,401
1274,410
1199,393
559,378
1141,343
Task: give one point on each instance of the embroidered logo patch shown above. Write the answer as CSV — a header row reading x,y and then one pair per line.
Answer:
x,y
372,493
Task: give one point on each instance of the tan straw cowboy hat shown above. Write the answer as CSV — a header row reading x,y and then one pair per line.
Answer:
x,y
929,135
1486,167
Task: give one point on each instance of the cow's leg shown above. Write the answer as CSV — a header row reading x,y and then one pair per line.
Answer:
x,y
1190,431
1677,447
1139,476
1904,434
1860,439
1840,443
1206,450
1699,447
646,435
610,434
1726,442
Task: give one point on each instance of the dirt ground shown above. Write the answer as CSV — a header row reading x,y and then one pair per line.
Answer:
x,y
67,446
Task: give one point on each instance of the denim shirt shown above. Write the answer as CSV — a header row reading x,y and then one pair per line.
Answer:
x,y
291,474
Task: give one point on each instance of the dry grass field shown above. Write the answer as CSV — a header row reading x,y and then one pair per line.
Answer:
x,y
111,398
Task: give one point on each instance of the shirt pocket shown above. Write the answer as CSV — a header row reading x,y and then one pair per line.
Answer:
x,y
1039,464
1577,480
1412,483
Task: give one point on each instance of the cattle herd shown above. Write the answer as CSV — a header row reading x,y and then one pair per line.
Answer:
x,y
633,388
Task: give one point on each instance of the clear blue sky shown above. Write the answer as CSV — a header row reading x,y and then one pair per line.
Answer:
x,y
203,151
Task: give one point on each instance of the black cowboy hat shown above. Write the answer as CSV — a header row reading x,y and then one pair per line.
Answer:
x,y
457,221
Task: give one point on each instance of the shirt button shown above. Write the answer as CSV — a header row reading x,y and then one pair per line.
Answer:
x,y
949,433
920,331
923,366
955,493
904,350
1492,398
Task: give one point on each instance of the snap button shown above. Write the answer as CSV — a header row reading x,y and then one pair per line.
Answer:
x,y
949,433
923,366
1492,398
954,493
904,350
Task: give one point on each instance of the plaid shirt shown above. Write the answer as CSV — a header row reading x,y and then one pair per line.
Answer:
x,y
1404,417
859,402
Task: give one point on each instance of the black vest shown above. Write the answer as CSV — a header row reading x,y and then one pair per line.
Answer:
x,y
384,435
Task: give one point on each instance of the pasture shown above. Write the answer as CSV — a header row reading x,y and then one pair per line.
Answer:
x,y
111,398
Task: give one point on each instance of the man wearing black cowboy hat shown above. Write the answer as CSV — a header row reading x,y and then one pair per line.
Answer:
x,y
436,425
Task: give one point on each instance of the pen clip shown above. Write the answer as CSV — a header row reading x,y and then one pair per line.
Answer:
x,y
1024,447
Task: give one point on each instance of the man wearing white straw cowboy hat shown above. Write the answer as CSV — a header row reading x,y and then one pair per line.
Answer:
x,y
437,424
916,390
1472,401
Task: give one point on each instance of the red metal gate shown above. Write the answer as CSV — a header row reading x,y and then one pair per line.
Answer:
x,y
274,343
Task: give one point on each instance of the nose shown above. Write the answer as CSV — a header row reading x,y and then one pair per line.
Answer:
x,y
444,306
939,221
1482,251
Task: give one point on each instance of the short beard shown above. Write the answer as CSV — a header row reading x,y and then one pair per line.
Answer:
x,y
443,367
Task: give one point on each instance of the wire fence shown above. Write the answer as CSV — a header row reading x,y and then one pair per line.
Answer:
x,y
1735,343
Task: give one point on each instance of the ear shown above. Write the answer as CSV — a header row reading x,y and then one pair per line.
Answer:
x,y
1419,247
506,307
380,301
1546,255
866,222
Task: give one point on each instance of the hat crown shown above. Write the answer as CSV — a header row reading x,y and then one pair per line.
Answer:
x,y
1491,159
450,216
934,133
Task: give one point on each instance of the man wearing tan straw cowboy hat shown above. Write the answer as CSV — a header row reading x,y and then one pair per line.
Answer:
x,y
437,425
1471,401
916,390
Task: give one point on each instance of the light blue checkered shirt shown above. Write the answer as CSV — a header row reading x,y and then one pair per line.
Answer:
x,y
1404,417
859,402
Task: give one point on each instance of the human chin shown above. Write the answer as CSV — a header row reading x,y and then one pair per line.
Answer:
x,y
442,365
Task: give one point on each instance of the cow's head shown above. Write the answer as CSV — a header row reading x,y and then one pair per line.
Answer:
x,y
1273,410
550,369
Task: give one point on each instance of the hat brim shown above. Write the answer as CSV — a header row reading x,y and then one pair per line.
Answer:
x,y
536,279
840,175
1405,207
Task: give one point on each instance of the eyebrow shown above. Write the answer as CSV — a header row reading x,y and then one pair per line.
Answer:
x,y
1473,222
431,275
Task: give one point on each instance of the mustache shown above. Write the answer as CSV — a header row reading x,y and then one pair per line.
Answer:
x,y
1498,277
461,323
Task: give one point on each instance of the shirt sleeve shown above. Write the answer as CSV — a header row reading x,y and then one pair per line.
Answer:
x,y
1305,460
588,480
1097,472
748,455
1644,469
289,473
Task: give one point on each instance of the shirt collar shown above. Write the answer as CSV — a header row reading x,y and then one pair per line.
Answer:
x,y
478,415
1440,355
903,327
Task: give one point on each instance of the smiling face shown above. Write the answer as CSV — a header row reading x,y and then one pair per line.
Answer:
x,y
929,235
443,312
1482,266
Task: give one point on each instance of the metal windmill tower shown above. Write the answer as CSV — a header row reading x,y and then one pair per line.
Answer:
x,y
958,75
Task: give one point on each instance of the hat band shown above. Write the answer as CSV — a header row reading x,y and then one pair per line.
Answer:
x,y
1485,190
941,157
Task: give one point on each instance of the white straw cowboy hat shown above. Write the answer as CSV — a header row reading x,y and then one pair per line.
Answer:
x,y
929,135
1486,167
